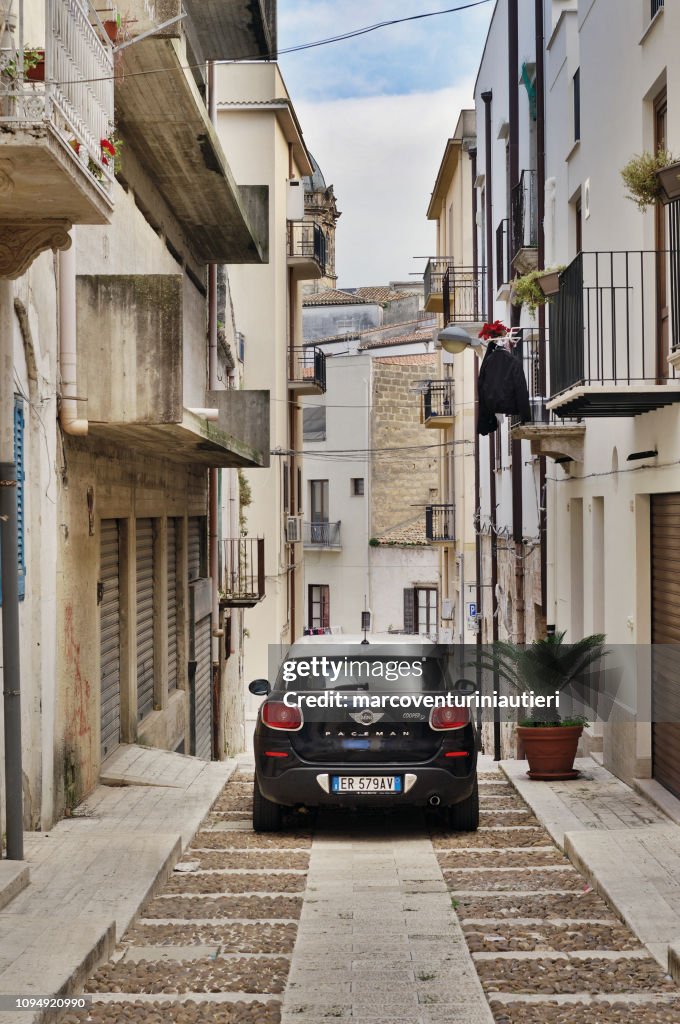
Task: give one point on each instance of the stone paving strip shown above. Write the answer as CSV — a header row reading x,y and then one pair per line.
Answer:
x,y
547,958
220,932
504,818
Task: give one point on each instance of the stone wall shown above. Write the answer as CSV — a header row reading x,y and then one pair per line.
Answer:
x,y
402,483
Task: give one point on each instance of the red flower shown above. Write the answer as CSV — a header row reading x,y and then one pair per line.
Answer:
x,y
489,332
108,147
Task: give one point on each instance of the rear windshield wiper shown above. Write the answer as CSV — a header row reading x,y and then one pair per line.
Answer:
x,y
350,686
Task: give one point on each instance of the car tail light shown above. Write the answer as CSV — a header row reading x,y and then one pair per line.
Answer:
x,y
444,719
277,715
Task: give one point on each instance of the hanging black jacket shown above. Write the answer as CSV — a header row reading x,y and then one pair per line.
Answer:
x,y
502,388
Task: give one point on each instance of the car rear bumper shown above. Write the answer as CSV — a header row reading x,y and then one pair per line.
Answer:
x,y
310,786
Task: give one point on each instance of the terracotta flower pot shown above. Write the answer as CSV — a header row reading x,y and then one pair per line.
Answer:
x,y
550,751
550,283
36,73
111,28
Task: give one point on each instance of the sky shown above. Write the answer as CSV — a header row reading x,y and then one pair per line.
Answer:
x,y
376,112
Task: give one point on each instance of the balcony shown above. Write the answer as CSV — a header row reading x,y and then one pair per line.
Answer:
x,y
437,404
165,123
307,370
503,258
242,572
440,525
53,117
524,225
611,328
131,331
464,296
548,435
322,536
434,283
237,30
306,250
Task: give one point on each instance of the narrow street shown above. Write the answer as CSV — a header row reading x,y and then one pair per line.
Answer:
x,y
379,920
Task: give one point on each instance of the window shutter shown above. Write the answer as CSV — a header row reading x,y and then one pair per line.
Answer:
x,y
409,610
19,461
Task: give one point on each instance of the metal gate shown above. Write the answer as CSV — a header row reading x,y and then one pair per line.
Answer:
x,y
200,654
172,605
109,635
145,617
666,630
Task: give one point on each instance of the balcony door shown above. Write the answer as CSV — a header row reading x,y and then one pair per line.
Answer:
x,y
661,246
318,505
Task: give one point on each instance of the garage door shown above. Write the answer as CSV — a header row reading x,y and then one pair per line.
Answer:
x,y
109,635
145,645
203,689
666,630
172,604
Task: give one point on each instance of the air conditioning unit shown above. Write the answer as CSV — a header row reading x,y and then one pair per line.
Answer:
x,y
447,609
293,529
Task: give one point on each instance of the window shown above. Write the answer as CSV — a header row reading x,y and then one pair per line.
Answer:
x,y
318,504
318,606
420,611
577,105
314,423
20,470
357,487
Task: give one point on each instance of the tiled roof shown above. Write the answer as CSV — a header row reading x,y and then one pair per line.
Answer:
x,y
381,293
332,297
408,535
399,339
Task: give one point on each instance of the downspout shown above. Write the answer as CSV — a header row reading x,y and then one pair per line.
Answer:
x,y
477,518
11,649
486,99
68,347
516,467
540,206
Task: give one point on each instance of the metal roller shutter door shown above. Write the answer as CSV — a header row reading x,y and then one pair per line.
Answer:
x,y
194,546
145,638
203,688
172,604
666,630
109,637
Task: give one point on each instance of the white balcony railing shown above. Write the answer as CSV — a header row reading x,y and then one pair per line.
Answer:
x,y
74,94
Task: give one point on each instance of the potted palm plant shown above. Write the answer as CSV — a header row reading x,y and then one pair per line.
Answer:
x,y
544,668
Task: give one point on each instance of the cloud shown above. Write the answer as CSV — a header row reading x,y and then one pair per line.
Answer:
x,y
414,56
382,154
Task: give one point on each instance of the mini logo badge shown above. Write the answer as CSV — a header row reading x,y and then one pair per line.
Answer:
x,y
366,717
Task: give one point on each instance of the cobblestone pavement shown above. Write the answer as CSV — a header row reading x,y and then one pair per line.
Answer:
x,y
378,919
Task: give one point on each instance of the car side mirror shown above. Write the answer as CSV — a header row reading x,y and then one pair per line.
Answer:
x,y
465,686
260,687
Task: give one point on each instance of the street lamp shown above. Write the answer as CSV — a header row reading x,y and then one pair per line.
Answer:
x,y
455,340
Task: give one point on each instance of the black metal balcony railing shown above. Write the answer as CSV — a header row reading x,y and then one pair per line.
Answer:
x,y
503,253
606,319
242,572
533,350
434,276
656,6
307,367
524,213
464,295
438,399
322,535
440,524
307,241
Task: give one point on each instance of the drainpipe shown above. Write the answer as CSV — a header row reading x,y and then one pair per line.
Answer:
x,y
486,99
540,205
68,349
477,511
11,671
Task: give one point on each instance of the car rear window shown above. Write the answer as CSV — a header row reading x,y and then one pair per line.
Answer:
x,y
378,674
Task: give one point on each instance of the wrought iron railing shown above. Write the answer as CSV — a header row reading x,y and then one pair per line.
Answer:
x,y
437,399
607,323
306,240
463,295
307,366
503,253
434,276
440,523
71,85
656,6
322,535
533,350
242,571
524,213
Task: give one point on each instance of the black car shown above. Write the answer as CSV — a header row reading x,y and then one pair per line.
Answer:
x,y
342,726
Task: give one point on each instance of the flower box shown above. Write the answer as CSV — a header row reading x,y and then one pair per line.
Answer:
x,y
669,182
549,283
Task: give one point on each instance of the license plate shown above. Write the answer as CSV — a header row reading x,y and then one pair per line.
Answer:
x,y
366,784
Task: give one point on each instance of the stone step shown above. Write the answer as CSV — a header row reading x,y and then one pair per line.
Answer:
x,y
14,877
574,954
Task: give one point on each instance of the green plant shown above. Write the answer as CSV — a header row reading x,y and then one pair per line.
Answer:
x,y
640,177
374,542
245,498
32,57
544,668
527,292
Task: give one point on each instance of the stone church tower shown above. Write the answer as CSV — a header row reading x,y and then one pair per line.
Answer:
x,y
321,207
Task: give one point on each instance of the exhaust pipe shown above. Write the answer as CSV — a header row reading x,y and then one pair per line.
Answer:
x,y
434,801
